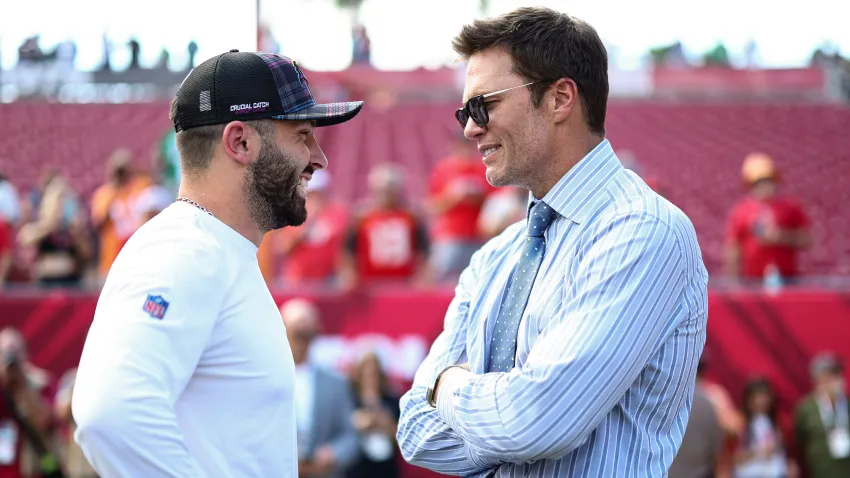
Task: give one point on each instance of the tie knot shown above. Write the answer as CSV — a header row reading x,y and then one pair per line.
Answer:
x,y
540,218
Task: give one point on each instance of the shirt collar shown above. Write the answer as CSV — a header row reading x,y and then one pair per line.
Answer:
x,y
574,191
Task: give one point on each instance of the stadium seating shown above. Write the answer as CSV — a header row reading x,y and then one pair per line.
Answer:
x,y
693,151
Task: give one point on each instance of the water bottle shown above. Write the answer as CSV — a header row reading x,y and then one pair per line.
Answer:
x,y
772,280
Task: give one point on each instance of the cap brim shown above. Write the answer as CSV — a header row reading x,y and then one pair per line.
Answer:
x,y
327,114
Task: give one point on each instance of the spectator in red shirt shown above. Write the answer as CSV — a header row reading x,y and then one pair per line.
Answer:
x,y
311,251
387,241
458,189
765,231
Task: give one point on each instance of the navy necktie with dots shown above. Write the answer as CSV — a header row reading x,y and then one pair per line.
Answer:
x,y
506,328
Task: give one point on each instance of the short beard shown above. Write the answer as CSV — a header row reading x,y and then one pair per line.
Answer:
x,y
271,189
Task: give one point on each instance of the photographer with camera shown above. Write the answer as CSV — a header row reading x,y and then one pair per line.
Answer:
x,y
25,415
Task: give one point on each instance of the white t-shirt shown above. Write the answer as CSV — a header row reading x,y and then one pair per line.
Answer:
x,y
186,371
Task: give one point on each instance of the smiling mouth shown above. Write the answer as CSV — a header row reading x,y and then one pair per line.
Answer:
x,y
489,151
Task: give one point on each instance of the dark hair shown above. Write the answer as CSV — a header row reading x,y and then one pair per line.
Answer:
x,y
196,145
357,373
545,46
752,387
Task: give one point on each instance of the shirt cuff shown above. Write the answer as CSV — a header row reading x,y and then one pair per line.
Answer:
x,y
451,381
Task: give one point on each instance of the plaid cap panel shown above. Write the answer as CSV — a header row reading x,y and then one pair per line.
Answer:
x,y
291,83
322,111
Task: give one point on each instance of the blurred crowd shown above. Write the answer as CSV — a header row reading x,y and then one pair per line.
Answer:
x,y
346,431
752,437
50,236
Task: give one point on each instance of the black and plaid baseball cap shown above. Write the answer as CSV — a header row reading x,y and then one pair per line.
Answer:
x,y
241,86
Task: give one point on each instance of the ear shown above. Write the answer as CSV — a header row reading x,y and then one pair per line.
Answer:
x,y
565,98
241,142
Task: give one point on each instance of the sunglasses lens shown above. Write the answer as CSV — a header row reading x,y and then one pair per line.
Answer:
x,y
478,111
462,117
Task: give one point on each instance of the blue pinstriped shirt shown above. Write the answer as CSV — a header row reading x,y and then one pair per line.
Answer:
x,y
607,349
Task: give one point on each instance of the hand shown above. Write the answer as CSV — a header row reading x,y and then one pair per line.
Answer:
x,y
324,460
363,420
464,366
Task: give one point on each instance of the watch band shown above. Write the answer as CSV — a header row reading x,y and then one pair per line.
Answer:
x,y
429,394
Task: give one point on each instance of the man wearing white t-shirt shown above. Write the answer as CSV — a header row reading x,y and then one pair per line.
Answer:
x,y
186,371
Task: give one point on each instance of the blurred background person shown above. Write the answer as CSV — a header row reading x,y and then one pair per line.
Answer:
x,y
458,188
310,253
327,441
502,208
361,46
729,418
58,237
761,450
702,446
153,197
376,419
113,212
822,421
387,241
74,462
26,418
765,231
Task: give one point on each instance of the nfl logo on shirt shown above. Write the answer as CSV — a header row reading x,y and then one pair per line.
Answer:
x,y
155,306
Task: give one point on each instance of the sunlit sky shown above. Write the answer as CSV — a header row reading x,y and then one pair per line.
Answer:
x,y
408,34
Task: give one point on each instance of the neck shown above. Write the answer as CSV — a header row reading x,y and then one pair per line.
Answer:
x,y
225,201
370,393
575,147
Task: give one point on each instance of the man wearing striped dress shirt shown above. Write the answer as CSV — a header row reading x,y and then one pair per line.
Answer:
x,y
571,346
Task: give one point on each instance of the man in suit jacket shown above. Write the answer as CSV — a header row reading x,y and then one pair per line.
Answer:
x,y
823,422
327,440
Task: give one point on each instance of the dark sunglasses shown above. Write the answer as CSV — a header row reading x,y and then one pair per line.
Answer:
x,y
477,110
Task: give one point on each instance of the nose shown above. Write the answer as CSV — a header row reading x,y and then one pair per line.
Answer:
x,y
318,160
472,130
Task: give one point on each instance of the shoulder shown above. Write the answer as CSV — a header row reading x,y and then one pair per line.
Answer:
x,y
631,210
806,406
360,211
175,247
331,377
629,196
102,192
